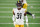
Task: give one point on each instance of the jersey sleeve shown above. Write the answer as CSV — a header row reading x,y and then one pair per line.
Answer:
x,y
13,11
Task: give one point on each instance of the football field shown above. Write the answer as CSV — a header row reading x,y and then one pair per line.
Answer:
x,y
6,7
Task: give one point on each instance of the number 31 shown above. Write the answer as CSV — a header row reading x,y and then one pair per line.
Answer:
x,y
19,15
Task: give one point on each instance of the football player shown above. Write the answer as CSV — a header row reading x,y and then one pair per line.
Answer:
x,y
18,15
24,5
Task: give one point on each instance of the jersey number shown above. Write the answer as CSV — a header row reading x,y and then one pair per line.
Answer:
x,y
19,15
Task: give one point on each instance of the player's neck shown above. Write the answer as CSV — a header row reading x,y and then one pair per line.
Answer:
x,y
19,8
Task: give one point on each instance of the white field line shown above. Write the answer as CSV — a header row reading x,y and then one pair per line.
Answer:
x,y
11,17
7,7
15,7
34,11
8,1
15,4
33,1
24,23
16,1
5,11
7,4
5,16
31,7
33,4
11,11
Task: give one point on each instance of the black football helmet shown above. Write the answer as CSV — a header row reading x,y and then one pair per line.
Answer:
x,y
19,4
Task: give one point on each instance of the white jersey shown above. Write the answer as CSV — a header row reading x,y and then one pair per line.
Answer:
x,y
19,15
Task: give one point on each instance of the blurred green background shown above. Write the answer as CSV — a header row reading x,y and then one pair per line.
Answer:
x,y
6,7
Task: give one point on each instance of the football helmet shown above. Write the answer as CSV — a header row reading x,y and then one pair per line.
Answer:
x,y
19,4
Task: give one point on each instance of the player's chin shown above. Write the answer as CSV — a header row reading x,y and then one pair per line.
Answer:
x,y
18,7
